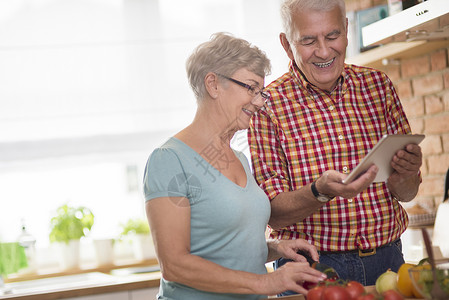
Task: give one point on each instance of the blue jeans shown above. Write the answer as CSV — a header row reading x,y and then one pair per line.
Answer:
x,y
350,266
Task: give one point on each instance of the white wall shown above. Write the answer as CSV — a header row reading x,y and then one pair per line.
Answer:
x,y
89,87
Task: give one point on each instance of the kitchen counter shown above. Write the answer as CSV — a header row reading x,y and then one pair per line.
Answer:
x,y
47,284
96,283
47,273
294,297
121,283
89,280
116,284
125,283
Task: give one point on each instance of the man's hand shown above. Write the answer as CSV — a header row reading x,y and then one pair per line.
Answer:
x,y
404,182
330,183
406,163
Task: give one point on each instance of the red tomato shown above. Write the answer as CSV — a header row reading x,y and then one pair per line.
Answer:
x,y
366,297
354,289
315,293
309,285
335,292
392,295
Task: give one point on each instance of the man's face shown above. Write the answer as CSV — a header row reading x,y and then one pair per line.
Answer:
x,y
319,47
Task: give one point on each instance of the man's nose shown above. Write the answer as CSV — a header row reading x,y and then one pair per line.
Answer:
x,y
322,49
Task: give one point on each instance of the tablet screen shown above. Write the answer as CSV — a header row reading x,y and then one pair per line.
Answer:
x,y
381,155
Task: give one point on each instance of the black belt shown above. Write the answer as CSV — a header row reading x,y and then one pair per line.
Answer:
x,y
361,252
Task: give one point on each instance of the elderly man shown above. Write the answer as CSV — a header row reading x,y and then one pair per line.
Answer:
x,y
322,118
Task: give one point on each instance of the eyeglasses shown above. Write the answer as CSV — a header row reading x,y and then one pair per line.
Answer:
x,y
252,90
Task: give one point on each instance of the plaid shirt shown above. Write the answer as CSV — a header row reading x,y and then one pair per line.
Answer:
x,y
303,131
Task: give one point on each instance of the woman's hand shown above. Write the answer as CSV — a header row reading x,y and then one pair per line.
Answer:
x,y
289,248
290,277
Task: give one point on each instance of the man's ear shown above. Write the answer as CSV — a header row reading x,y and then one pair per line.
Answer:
x,y
346,32
286,45
211,84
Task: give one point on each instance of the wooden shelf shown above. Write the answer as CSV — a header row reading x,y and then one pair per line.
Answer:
x,y
83,269
395,51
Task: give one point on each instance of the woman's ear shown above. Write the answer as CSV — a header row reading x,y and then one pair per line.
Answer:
x,y
286,45
211,84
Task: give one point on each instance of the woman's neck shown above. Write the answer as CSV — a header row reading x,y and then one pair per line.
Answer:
x,y
208,126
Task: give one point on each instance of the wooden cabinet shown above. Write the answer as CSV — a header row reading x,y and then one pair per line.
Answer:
x,y
139,294
425,21
376,57
410,33
108,296
143,294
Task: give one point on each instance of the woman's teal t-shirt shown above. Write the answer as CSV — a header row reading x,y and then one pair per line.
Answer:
x,y
228,221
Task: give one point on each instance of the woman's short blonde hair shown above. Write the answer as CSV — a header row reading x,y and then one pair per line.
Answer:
x,y
224,54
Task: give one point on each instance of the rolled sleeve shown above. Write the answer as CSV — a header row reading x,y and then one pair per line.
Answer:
x,y
268,159
396,119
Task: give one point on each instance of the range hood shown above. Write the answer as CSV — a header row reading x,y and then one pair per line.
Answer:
x,y
431,11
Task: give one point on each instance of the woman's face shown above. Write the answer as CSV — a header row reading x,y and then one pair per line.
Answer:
x,y
240,103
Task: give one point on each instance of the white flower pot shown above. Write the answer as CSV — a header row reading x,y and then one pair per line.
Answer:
x,y
69,255
143,246
104,250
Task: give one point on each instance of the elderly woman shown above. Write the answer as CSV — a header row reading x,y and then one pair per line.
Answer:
x,y
206,212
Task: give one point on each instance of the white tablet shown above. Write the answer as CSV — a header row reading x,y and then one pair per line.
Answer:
x,y
382,154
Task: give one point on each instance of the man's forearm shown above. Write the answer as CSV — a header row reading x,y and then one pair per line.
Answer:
x,y
405,190
288,208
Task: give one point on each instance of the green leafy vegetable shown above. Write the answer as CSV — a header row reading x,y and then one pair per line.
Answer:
x,y
426,280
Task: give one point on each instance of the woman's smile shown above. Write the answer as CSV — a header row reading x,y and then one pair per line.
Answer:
x,y
248,112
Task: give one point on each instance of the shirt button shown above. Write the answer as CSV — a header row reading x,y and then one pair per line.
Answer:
x,y
331,107
340,137
350,200
345,169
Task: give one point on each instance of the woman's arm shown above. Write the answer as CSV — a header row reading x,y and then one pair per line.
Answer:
x,y
169,219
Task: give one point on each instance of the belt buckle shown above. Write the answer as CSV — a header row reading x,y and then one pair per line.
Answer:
x,y
367,252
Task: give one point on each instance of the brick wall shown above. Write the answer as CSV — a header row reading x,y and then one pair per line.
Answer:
x,y
422,83
424,90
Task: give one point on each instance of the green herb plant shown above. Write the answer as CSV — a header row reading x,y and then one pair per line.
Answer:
x,y
70,223
135,226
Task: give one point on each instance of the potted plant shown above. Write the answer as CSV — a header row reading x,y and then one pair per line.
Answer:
x,y
67,227
138,231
